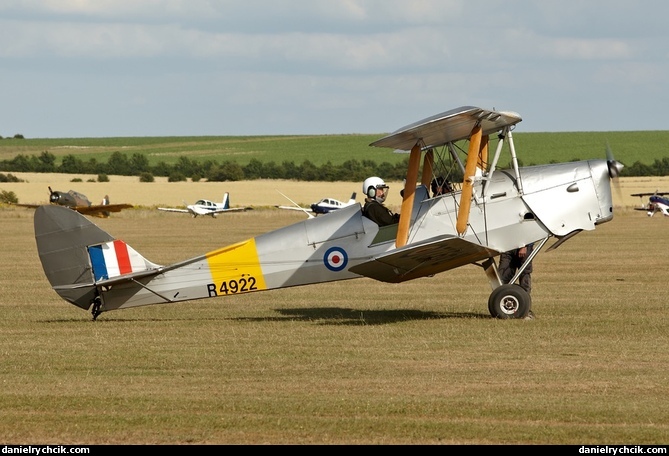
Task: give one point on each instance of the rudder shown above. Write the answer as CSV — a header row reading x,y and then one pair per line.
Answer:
x,y
63,236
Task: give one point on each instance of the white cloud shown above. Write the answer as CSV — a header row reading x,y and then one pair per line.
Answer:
x,y
157,67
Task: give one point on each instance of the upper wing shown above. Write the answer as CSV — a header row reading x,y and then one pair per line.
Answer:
x,y
423,259
449,126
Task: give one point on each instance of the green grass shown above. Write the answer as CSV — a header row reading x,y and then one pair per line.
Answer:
x,y
318,149
532,148
627,146
354,362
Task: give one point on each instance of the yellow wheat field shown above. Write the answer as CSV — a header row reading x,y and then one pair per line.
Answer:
x,y
260,193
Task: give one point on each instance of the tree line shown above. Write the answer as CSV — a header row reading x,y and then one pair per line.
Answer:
x,y
213,171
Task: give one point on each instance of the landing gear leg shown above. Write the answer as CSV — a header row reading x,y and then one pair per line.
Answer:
x,y
97,303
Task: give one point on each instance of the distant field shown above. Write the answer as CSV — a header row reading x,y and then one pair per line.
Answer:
x,y
532,148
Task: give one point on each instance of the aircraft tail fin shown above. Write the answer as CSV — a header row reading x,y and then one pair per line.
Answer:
x,y
76,255
352,199
226,200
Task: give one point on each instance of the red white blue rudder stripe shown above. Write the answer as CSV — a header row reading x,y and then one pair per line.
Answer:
x,y
115,258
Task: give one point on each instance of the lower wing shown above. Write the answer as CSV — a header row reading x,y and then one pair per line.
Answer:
x,y
173,209
423,259
232,209
98,209
309,212
101,210
293,208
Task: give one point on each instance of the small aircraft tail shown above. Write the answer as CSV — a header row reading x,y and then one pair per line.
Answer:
x,y
75,254
226,200
352,199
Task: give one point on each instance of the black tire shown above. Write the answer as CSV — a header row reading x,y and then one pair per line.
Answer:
x,y
509,301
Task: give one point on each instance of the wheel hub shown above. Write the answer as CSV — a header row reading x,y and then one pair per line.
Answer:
x,y
509,305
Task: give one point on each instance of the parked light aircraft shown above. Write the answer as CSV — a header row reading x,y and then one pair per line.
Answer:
x,y
80,203
206,207
324,206
494,211
656,203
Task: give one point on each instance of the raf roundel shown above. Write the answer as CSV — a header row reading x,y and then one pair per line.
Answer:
x,y
335,259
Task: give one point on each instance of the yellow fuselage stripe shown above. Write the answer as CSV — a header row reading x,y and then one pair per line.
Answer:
x,y
236,268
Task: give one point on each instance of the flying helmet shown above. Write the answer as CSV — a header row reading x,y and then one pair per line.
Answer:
x,y
371,184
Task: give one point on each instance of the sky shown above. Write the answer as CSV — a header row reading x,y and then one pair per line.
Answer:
x,y
115,68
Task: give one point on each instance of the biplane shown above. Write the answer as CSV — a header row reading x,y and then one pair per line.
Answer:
x,y
656,203
206,207
322,206
79,202
495,210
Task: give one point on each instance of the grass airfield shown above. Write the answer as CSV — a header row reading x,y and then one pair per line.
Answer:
x,y
353,362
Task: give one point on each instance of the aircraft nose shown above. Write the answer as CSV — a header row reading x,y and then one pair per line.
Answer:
x,y
53,198
615,167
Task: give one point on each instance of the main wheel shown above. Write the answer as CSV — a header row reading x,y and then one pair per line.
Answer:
x,y
509,301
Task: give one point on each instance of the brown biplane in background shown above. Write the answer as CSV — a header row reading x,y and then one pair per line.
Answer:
x,y
80,203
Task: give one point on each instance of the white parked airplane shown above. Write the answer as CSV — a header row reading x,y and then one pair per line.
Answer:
x,y
323,206
206,207
657,202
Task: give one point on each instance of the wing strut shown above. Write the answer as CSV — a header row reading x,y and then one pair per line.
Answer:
x,y
428,168
482,160
409,193
468,181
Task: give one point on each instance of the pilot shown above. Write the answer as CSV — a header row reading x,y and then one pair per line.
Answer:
x,y
440,186
105,202
376,191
